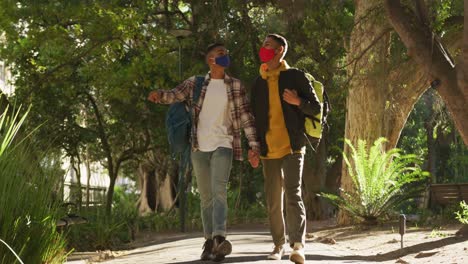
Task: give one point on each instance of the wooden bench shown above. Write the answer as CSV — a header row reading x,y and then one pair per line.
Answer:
x,y
447,194
71,218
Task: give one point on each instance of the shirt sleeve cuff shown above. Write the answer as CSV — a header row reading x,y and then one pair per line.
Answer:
x,y
255,146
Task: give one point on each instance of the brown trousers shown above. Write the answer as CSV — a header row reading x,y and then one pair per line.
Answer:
x,y
283,178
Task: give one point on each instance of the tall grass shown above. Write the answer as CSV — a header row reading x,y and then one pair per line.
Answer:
x,y
382,180
28,213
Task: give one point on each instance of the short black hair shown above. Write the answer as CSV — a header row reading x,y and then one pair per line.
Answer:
x,y
280,40
213,46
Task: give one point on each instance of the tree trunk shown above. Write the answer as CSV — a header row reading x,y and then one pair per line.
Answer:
x,y
310,188
366,102
431,144
113,171
88,174
375,106
156,184
381,98
430,54
165,176
143,204
314,180
110,193
165,193
463,69
79,192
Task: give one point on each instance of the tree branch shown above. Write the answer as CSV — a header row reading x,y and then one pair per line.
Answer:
x,y
102,135
422,12
77,58
433,57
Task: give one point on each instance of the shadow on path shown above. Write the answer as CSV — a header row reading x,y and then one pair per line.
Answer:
x,y
392,255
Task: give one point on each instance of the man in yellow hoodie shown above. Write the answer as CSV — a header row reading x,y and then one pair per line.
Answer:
x,y
280,98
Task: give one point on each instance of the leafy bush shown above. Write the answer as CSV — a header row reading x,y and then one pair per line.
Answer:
x,y
28,213
107,232
101,232
124,209
462,215
382,180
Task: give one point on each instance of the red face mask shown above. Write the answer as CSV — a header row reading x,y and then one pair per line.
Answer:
x,y
266,55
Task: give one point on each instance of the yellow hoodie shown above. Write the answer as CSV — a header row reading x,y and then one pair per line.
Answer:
x,y
277,137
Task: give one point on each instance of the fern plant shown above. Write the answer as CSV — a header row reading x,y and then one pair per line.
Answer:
x,y
381,179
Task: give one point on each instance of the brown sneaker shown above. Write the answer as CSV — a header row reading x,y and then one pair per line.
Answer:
x,y
207,253
221,248
277,253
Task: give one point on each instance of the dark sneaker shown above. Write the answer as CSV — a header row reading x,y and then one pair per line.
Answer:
x,y
207,253
221,248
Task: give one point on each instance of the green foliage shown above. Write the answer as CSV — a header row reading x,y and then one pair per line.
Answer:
x,y
107,232
158,222
125,209
462,215
28,212
429,126
382,180
437,233
101,231
64,55
123,225
242,211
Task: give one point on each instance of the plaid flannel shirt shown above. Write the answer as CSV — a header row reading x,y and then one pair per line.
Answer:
x,y
239,107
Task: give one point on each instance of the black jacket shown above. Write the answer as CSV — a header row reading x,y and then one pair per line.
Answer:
x,y
292,79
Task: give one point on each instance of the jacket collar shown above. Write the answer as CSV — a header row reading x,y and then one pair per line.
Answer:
x,y
265,73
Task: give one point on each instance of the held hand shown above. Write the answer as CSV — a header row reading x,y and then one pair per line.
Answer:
x,y
254,158
154,97
291,97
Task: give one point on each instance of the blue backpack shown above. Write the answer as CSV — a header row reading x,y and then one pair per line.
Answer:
x,y
179,121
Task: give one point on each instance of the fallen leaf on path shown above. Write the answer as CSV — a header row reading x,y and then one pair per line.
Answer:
x,y
393,241
402,261
328,240
426,254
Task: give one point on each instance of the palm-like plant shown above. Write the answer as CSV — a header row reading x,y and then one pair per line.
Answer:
x,y
382,180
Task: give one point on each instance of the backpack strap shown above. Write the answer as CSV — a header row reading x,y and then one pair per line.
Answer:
x,y
199,80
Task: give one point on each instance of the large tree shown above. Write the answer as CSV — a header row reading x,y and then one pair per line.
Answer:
x,y
426,48
385,80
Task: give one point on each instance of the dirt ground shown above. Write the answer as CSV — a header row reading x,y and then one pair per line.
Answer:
x,y
383,243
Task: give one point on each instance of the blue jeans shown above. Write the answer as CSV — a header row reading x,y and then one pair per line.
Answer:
x,y
212,171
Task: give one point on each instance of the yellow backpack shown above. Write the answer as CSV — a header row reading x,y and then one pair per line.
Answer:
x,y
314,124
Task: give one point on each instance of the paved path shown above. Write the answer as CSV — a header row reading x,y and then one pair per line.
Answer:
x,y
248,247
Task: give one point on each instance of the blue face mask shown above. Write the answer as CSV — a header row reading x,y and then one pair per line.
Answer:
x,y
223,61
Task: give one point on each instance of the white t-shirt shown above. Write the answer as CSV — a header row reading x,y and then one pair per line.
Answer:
x,y
215,123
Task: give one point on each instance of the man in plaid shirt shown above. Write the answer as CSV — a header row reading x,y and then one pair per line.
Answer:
x,y
219,115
